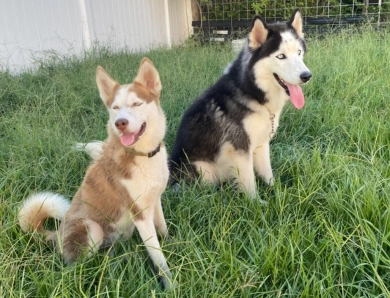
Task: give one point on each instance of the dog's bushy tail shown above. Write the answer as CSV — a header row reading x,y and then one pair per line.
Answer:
x,y
93,149
40,206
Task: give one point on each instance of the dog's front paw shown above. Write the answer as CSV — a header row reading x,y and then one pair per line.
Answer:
x,y
256,197
167,282
269,179
262,202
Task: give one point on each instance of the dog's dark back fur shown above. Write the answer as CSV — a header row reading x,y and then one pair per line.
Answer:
x,y
196,136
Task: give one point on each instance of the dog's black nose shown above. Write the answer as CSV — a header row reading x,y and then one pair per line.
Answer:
x,y
305,76
121,123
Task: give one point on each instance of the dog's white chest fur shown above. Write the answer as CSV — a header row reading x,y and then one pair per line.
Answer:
x,y
150,177
149,180
259,128
262,125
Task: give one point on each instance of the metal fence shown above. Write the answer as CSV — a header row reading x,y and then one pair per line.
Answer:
x,y
231,16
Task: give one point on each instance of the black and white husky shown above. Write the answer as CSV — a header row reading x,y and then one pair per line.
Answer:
x,y
226,132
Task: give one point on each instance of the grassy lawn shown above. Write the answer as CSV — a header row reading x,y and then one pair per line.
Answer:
x,y
324,233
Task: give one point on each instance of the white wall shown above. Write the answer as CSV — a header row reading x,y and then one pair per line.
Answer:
x,y
35,28
180,20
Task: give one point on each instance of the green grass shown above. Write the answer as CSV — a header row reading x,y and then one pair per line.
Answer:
x,y
324,233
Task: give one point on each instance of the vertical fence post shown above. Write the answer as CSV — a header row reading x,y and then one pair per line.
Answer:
x,y
84,21
168,27
365,7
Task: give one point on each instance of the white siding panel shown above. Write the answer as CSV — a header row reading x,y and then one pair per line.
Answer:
x,y
29,28
34,28
135,24
180,18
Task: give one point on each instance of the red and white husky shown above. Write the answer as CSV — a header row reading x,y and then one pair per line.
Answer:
x,y
122,187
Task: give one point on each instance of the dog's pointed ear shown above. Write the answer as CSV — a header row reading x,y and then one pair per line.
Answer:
x,y
148,77
107,86
296,22
258,34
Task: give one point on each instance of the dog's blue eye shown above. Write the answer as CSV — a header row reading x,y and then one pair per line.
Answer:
x,y
281,56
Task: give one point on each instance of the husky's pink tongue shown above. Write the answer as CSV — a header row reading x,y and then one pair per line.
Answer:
x,y
296,95
128,139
